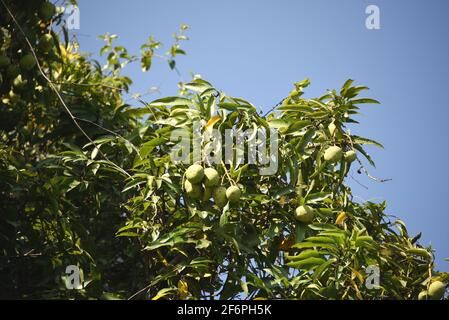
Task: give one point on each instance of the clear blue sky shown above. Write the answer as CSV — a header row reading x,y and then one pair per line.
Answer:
x,y
257,49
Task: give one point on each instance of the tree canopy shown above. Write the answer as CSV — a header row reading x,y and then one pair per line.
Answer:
x,y
87,178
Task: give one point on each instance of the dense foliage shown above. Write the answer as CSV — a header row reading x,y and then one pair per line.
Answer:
x,y
87,179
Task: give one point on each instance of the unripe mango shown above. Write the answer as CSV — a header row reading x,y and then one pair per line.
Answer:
x,y
233,194
46,42
332,128
4,61
436,290
211,177
423,295
193,191
333,154
195,173
27,62
350,156
219,195
304,214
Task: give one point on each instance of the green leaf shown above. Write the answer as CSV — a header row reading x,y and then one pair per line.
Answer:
x,y
324,226
322,239
295,108
128,234
346,86
279,124
305,140
282,191
364,100
148,146
317,197
364,241
171,101
322,268
310,253
145,61
361,140
365,154
308,263
354,91
304,245
420,252
300,232
224,218
198,85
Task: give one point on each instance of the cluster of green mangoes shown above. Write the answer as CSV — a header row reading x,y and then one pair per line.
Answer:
x,y
435,292
204,183
16,73
334,154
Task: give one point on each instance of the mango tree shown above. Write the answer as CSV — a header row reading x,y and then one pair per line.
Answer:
x,y
89,177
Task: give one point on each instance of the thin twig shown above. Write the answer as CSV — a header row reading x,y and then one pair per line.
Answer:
x,y
357,181
90,85
362,168
227,174
272,109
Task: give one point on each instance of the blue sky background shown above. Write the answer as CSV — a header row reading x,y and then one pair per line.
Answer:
x,y
257,49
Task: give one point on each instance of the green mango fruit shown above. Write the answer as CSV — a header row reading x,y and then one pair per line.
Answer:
x,y
195,173
423,295
211,177
304,214
333,154
46,42
219,195
27,62
47,10
332,128
350,156
437,290
193,191
233,194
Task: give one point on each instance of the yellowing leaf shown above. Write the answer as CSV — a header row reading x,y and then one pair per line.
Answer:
x,y
357,274
163,260
183,289
341,218
212,121
287,243
357,291
162,293
282,200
